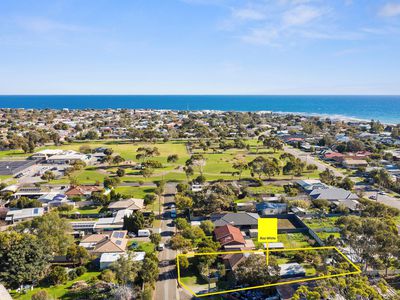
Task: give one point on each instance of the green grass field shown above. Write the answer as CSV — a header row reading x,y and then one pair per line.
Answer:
x,y
59,291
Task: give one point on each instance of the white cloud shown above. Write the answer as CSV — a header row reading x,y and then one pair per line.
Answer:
x,y
390,10
261,36
248,14
301,15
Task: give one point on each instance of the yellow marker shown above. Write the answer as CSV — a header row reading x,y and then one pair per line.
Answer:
x,y
267,230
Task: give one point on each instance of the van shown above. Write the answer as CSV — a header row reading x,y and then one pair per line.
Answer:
x,y
160,247
144,232
173,214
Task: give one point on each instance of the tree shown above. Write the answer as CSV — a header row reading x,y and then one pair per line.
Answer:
x,y
149,199
23,258
347,184
52,230
120,172
254,271
58,275
196,160
181,224
78,255
188,171
118,159
172,158
111,182
273,143
48,176
147,172
126,269
207,226
183,262
149,272
178,242
155,238
134,222
183,202
327,177
240,165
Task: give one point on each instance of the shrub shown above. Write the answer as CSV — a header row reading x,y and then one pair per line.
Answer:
x,y
80,271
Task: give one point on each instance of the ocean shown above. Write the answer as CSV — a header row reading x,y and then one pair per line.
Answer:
x,y
383,108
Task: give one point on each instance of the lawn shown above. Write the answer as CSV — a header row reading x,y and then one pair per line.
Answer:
x,y
59,291
147,247
266,189
321,222
13,154
294,240
134,191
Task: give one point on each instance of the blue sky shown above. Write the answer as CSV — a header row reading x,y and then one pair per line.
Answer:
x,y
199,47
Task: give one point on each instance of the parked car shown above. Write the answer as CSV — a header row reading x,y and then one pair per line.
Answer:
x,y
144,233
134,245
160,247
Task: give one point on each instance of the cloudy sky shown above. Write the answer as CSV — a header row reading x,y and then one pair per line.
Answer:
x,y
199,47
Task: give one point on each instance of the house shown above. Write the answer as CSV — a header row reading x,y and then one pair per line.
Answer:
x,y
352,205
333,194
132,204
69,157
46,154
31,191
14,216
12,167
242,220
311,184
228,235
113,223
82,190
113,242
333,156
232,260
350,163
267,208
55,200
291,270
106,259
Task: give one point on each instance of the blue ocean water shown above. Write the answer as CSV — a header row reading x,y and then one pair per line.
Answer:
x,y
383,108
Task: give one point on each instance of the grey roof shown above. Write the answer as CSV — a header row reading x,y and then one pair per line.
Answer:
x,y
333,194
350,204
235,219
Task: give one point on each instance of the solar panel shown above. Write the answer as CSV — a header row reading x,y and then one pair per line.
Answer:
x,y
35,211
119,243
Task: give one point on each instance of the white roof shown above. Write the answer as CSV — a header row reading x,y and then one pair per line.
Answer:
x,y
24,213
49,152
111,257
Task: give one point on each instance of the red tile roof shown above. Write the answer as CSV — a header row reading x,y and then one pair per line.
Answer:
x,y
228,234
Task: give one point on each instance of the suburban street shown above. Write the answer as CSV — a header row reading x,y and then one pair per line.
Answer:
x,y
166,286
312,160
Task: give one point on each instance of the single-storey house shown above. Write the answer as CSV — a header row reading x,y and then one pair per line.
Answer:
x,y
82,190
333,194
113,242
106,259
267,208
132,204
228,235
350,163
242,220
14,216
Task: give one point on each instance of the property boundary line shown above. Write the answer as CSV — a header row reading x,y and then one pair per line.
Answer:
x,y
358,270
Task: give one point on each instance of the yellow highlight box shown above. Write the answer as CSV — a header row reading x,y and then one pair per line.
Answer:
x,y
267,230
356,268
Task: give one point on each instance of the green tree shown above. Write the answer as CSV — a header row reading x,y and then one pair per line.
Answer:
x,y
155,238
126,269
207,226
23,258
78,255
149,272
52,230
58,275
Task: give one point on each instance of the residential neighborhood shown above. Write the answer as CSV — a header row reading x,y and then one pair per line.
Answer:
x,y
110,202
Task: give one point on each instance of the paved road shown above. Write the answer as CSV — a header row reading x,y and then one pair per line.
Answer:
x,y
306,157
166,287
